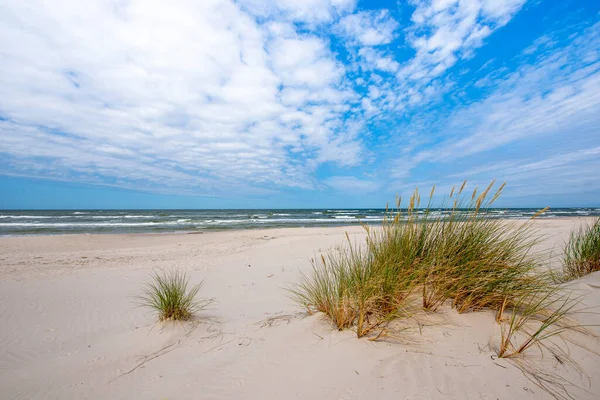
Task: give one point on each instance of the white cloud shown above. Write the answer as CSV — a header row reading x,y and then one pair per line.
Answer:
x,y
560,173
540,43
352,184
446,30
559,92
189,95
368,28
308,11
442,33
537,129
304,62
377,60
213,96
500,11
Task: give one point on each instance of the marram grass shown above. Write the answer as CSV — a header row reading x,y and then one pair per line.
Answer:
x,y
455,255
458,255
168,294
582,252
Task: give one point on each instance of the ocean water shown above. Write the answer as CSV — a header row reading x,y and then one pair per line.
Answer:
x,y
157,221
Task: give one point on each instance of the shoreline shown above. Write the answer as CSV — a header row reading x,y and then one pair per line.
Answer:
x,y
181,233
340,225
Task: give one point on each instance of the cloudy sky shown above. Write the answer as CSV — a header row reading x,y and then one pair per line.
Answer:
x,y
285,103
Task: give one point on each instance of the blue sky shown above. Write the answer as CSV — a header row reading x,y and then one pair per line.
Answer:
x,y
284,103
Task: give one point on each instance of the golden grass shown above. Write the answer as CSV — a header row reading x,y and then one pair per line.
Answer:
x,y
457,256
454,255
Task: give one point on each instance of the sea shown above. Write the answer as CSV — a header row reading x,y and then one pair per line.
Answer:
x,y
52,222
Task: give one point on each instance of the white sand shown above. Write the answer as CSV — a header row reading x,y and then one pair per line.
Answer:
x,y
70,329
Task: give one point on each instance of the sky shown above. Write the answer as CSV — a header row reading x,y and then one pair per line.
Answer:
x,y
296,104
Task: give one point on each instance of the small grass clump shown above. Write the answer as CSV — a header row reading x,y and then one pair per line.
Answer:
x,y
168,294
582,252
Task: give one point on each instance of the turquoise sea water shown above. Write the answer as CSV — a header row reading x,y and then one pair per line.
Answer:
x,y
148,221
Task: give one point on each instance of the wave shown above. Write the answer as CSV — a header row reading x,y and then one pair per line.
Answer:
x,y
282,220
30,216
186,221
71,216
87,224
12,222
119,216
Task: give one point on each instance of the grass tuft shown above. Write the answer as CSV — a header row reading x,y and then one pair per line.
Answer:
x,y
463,256
168,294
582,252
455,253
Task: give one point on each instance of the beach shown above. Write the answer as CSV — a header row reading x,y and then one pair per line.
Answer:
x,y
71,326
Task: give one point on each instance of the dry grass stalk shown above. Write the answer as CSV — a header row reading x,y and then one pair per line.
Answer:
x,y
536,317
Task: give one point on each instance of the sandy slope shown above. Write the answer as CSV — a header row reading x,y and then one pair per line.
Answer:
x,y
69,328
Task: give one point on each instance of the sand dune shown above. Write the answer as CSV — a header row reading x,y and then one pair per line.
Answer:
x,y
71,329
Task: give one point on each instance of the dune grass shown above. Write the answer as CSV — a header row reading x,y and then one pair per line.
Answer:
x,y
169,296
458,255
582,252
454,255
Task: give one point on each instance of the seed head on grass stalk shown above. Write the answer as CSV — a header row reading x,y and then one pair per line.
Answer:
x,y
475,260
168,294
